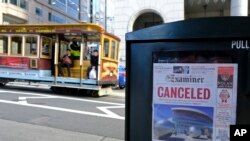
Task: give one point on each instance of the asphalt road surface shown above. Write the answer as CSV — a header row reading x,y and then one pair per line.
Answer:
x,y
31,110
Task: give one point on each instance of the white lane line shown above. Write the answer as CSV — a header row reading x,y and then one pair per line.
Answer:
x,y
63,97
109,115
24,99
108,112
35,97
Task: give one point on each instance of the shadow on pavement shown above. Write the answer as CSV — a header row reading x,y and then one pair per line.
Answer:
x,y
60,92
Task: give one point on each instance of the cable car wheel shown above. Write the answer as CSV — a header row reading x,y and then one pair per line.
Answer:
x,y
93,93
56,89
2,84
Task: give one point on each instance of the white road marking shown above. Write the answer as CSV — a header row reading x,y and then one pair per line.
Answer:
x,y
62,109
24,99
35,97
63,97
23,102
108,112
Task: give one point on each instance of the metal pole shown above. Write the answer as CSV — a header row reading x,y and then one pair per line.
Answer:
x,y
205,10
91,11
56,57
80,10
81,59
105,18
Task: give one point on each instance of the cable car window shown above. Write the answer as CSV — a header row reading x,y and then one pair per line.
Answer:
x,y
117,51
46,47
113,48
16,45
106,48
30,46
3,44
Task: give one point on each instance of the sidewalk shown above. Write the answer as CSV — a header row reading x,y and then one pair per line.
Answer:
x,y
15,131
118,92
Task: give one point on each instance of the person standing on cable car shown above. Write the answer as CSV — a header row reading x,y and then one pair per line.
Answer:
x,y
93,64
75,49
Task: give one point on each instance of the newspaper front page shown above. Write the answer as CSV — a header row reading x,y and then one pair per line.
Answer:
x,y
193,101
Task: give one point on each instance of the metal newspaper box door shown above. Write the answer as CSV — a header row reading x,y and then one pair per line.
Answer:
x,y
188,80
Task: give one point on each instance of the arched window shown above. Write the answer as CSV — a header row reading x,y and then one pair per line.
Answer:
x,y
146,20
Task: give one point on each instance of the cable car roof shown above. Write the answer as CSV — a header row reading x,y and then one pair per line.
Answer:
x,y
54,28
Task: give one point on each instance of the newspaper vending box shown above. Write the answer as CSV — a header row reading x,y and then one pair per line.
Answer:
x,y
188,80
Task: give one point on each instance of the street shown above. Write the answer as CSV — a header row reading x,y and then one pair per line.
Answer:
x,y
38,114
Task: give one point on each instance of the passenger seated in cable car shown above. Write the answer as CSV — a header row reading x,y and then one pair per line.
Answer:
x,y
66,62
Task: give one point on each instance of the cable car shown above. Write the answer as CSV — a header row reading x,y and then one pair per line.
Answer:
x,y
35,53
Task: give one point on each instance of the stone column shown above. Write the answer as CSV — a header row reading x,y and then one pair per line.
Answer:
x,y
1,13
1,17
239,8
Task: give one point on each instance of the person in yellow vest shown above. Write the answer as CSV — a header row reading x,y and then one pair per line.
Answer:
x,y
75,49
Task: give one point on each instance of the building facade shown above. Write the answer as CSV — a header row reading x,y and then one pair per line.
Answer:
x,y
131,15
52,11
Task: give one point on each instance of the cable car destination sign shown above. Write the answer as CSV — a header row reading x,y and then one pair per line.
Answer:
x,y
39,29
